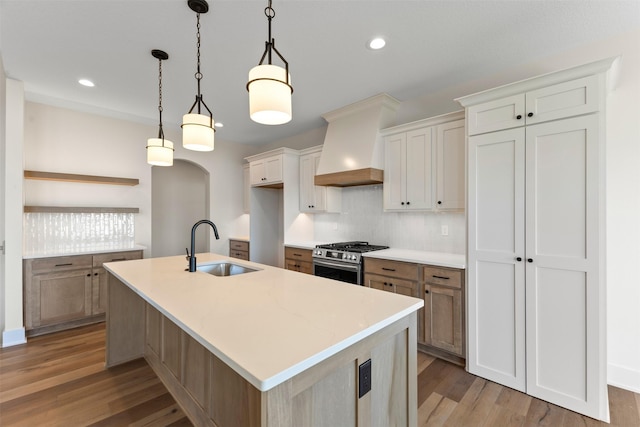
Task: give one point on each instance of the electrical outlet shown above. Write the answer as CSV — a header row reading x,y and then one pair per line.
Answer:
x,y
444,230
364,378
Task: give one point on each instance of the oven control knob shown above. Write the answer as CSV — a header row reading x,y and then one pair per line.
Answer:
x,y
353,257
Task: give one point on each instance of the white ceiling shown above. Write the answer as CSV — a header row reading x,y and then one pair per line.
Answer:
x,y
50,44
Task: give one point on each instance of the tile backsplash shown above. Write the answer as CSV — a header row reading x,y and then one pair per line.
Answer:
x,y
363,218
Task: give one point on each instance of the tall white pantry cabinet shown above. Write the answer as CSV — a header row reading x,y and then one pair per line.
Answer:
x,y
536,229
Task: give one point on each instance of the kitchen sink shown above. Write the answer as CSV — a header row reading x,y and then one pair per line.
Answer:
x,y
223,269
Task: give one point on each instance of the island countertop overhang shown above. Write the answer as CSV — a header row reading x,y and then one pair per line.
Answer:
x,y
267,325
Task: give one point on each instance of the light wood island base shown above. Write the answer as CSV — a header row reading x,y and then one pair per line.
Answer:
x,y
213,394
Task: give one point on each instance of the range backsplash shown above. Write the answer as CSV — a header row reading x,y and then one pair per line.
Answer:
x,y
362,218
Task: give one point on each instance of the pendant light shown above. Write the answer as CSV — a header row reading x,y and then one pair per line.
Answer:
x,y
270,85
197,129
159,150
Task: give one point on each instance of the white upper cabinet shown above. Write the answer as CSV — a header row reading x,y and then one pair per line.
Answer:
x,y
246,188
267,171
424,165
316,198
450,152
566,99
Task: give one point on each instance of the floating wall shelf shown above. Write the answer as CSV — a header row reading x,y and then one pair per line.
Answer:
x,y
74,209
70,177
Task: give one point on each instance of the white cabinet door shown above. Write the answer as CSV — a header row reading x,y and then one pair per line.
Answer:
x,y
562,241
496,279
563,100
273,167
319,192
307,186
246,189
504,113
257,172
395,177
450,165
420,165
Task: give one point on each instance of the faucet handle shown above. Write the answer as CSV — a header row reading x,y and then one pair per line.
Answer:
x,y
188,256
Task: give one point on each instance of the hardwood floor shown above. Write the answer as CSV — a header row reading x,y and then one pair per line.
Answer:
x,y
60,380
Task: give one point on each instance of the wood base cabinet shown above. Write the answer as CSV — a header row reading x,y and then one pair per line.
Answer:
x,y
443,309
239,249
211,393
65,292
299,260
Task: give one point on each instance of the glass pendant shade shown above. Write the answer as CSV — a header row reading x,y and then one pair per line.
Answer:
x,y
197,132
159,155
269,95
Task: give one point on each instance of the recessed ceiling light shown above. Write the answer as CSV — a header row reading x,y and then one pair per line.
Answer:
x,y
86,82
376,43
218,125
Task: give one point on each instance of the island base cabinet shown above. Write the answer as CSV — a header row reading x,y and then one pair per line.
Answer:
x,y
211,393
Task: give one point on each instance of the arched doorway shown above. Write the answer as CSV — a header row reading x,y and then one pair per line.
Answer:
x,y
179,198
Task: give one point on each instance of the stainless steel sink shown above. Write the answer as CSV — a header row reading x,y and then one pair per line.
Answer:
x,y
223,269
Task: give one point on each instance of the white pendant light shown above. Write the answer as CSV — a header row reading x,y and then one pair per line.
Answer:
x,y
269,85
159,150
197,129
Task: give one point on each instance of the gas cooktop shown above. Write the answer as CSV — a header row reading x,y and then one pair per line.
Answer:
x,y
355,246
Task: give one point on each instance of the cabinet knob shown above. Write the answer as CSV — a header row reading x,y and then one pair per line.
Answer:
x,y
385,283
530,115
439,202
402,203
529,260
408,203
519,116
426,291
519,259
89,275
95,274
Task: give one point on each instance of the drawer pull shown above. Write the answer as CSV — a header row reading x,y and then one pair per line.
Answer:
x,y
440,277
64,265
388,269
118,259
297,254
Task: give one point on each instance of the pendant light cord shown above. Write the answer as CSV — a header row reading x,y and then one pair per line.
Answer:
x,y
160,130
198,74
270,14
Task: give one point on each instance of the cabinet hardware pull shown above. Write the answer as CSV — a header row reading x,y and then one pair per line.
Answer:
x,y
297,254
529,260
89,275
384,283
519,259
426,291
519,116
388,269
402,203
408,203
118,259
439,202
439,277
530,115
64,265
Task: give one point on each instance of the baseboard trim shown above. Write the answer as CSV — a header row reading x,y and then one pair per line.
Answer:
x,y
622,377
13,337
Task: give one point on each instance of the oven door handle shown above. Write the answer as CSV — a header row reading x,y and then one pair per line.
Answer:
x,y
347,267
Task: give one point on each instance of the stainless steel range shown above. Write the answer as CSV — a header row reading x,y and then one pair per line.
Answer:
x,y
342,261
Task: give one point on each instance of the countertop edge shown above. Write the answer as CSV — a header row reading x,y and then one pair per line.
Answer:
x,y
437,259
84,252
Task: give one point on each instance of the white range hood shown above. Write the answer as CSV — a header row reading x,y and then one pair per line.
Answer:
x,y
353,151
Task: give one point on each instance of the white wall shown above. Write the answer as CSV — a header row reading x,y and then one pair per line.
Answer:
x,y
3,100
187,186
13,332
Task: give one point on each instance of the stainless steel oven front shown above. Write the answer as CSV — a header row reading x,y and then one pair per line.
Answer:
x,y
345,272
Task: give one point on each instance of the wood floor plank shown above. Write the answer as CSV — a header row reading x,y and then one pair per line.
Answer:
x,y
60,380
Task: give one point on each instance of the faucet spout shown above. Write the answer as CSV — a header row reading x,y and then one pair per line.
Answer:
x,y
192,257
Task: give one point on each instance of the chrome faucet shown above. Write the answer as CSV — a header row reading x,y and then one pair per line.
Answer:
x,y
192,257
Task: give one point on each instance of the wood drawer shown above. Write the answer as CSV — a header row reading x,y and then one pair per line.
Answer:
x,y
61,263
100,259
238,245
297,254
239,254
405,270
443,276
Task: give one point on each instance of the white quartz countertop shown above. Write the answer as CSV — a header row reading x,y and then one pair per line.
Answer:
x,y
267,325
305,244
94,249
440,259
240,238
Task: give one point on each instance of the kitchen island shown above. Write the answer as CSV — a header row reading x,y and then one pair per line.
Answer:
x,y
270,347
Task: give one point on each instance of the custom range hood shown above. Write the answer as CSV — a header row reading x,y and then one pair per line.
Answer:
x,y
353,151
